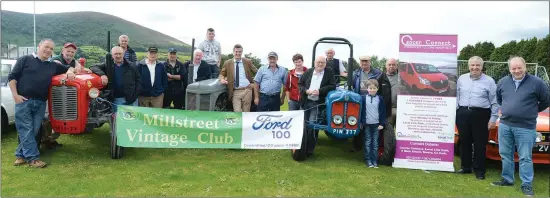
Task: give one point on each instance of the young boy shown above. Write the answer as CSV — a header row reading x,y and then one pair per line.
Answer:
x,y
373,120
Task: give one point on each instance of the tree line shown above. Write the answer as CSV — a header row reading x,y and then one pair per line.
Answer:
x,y
533,50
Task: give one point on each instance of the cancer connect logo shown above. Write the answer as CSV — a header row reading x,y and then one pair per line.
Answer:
x,y
410,136
408,41
128,114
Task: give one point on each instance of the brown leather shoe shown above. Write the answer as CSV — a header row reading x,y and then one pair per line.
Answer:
x,y
37,164
19,162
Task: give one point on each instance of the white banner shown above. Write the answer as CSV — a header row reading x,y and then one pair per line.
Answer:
x,y
272,130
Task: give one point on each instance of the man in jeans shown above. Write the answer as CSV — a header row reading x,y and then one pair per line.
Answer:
x,y
270,79
521,97
29,82
212,52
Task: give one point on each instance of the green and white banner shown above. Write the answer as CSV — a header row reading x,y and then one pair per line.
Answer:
x,y
168,128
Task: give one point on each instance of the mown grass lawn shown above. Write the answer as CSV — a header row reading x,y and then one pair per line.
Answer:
x,y
82,167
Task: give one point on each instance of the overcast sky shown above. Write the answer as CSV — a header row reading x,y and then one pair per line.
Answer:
x,y
293,27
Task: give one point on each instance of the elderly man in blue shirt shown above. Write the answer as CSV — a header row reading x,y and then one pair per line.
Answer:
x,y
271,79
521,97
477,112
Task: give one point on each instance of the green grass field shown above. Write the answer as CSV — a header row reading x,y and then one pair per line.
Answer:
x,y
82,167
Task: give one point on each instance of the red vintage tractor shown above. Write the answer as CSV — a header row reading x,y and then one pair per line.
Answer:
x,y
77,106
72,106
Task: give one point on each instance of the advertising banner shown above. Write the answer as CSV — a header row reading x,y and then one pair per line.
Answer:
x,y
168,128
426,102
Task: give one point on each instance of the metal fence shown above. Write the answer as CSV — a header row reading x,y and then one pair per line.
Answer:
x,y
497,70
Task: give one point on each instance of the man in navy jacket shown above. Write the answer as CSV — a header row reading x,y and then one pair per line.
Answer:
x,y
521,97
154,80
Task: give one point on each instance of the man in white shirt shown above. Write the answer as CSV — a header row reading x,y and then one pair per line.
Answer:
x,y
314,87
198,68
154,80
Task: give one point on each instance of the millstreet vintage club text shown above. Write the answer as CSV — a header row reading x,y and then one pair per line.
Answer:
x,y
174,139
171,121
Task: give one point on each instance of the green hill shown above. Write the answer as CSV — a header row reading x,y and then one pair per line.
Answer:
x,y
82,28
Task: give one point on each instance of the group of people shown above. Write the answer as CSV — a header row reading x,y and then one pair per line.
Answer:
x,y
153,83
519,97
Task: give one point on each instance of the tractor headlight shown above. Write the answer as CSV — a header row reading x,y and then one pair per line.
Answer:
x,y
93,93
337,119
352,120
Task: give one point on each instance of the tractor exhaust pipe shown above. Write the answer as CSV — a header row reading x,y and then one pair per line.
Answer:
x,y
192,48
108,57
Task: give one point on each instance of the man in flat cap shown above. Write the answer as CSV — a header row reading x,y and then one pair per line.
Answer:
x,y
154,80
177,81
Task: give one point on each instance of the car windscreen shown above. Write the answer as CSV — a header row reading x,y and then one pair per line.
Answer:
x,y
425,69
6,68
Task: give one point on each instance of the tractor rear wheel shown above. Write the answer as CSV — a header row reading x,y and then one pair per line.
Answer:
x,y
389,145
4,121
222,103
301,154
116,151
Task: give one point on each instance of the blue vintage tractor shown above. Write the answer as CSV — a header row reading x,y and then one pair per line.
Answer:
x,y
340,116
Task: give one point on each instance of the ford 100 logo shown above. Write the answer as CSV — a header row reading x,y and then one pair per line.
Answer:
x,y
265,122
279,129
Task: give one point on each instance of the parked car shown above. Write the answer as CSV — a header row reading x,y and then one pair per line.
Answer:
x,y
8,104
421,77
541,151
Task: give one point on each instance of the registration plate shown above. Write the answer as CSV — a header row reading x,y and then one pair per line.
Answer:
x,y
344,131
541,148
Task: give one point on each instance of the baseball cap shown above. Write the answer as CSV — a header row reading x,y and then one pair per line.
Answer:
x,y
70,45
272,54
172,50
364,58
153,49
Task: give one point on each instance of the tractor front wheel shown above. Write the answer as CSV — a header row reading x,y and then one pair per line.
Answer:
x,y
301,154
116,151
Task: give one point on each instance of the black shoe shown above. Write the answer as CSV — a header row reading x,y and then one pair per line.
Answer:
x,y
502,182
527,190
480,177
464,171
309,154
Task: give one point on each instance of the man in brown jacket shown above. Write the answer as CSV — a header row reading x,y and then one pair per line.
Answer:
x,y
238,74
